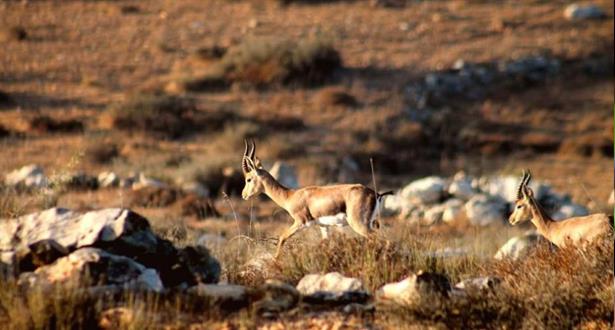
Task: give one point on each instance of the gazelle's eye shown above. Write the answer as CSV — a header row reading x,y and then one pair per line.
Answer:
x,y
248,180
519,206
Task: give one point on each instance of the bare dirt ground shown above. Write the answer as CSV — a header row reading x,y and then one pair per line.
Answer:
x,y
82,57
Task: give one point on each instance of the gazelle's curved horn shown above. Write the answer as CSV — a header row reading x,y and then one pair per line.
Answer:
x,y
522,184
529,177
253,150
244,162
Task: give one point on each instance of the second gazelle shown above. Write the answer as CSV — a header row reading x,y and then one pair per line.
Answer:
x,y
336,205
576,231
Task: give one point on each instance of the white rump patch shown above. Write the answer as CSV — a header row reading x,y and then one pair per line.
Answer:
x,y
338,220
375,214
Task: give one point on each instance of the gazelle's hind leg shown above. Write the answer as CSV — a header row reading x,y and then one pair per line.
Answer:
x,y
358,222
360,212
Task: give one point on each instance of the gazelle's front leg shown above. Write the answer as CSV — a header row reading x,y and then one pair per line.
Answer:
x,y
324,232
286,235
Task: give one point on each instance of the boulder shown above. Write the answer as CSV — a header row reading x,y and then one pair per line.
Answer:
x,y
196,188
42,253
482,283
97,266
483,210
108,179
433,215
414,213
569,210
393,205
505,187
200,265
419,288
331,282
143,181
461,187
276,297
331,288
583,12
73,230
226,296
517,246
453,210
29,176
425,191
285,174
116,231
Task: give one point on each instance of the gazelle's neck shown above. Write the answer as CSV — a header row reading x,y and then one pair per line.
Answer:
x,y
277,192
540,218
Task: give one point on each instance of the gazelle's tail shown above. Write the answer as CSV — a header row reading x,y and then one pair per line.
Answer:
x,y
380,196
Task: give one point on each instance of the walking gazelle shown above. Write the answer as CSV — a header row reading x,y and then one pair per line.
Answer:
x,y
575,231
336,205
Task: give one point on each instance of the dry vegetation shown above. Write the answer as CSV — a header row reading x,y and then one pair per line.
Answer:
x,y
548,289
171,89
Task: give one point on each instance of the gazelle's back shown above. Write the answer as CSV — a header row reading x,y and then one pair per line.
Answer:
x,y
581,229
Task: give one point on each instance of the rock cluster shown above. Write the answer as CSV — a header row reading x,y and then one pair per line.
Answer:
x,y
110,246
474,81
584,12
481,200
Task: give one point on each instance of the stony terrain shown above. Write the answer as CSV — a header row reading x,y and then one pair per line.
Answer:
x,y
122,126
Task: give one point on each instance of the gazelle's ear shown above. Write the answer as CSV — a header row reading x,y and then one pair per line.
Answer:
x,y
250,164
528,192
257,163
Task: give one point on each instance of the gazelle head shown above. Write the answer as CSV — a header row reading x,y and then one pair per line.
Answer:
x,y
522,211
253,172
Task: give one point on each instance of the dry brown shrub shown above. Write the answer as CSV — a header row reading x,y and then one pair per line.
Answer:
x,y
5,100
13,33
336,97
199,207
102,153
45,124
588,145
164,116
154,196
563,288
262,62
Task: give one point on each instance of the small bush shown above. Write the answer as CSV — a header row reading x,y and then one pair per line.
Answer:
x,y
102,153
333,97
13,33
198,207
4,132
46,124
154,197
264,62
6,100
